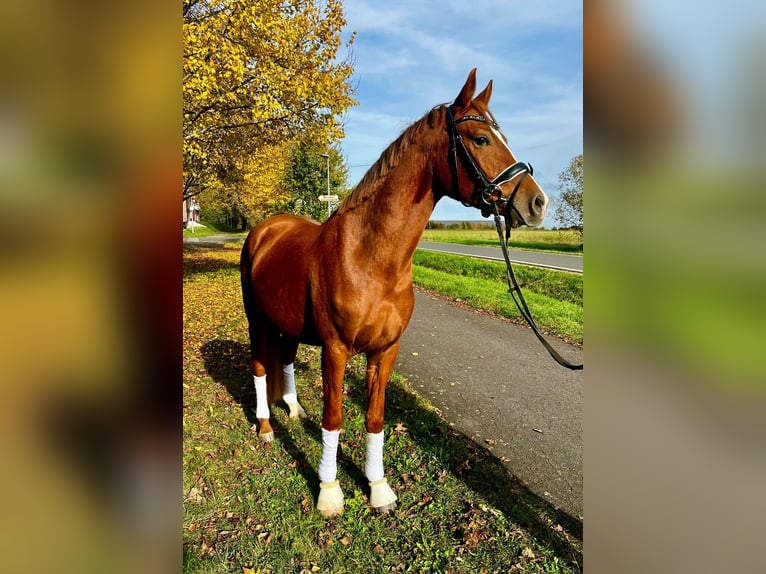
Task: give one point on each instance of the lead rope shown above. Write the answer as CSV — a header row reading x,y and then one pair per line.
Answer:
x,y
518,297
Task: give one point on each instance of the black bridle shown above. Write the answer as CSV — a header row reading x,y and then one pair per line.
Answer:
x,y
486,192
487,196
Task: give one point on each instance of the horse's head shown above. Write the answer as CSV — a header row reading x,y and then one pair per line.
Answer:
x,y
483,171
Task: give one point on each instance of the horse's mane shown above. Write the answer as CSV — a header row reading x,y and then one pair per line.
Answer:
x,y
390,158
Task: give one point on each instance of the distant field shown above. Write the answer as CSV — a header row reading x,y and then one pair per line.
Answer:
x,y
564,241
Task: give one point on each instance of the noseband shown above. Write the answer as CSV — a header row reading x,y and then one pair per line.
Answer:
x,y
487,194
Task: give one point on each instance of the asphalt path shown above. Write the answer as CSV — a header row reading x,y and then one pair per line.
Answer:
x,y
537,258
495,383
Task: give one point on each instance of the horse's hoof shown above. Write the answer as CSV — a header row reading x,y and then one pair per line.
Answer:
x,y
267,436
382,498
330,502
332,513
296,411
385,509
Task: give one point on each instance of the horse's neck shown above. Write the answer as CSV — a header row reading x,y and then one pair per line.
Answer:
x,y
396,213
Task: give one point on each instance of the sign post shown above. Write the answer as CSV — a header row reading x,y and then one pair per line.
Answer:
x,y
327,157
329,199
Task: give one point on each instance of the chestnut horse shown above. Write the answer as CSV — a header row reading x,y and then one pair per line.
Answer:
x,y
346,285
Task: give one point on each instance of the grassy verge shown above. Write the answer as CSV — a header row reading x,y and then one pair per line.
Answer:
x,y
563,241
554,297
209,229
250,508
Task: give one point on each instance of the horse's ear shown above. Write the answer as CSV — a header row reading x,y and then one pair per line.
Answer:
x,y
465,95
484,96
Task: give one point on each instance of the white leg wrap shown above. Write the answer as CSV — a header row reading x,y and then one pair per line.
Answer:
x,y
290,395
261,398
374,465
328,465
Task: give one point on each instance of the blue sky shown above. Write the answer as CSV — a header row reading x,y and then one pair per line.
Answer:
x,y
412,55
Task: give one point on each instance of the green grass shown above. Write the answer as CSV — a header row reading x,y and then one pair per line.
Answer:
x,y
251,507
554,297
563,241
559,285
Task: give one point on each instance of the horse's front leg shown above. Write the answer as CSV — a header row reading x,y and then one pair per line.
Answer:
x,y
334,359
379,366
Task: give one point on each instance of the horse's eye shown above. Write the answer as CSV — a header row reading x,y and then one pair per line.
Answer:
x,y
481,141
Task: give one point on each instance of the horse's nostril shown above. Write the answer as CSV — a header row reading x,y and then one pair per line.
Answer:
x,y
538,204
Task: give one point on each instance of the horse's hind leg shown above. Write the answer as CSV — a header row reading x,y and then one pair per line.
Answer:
x,y
290,396
258,349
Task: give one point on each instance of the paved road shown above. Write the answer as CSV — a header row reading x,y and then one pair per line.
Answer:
x,y
537,258
215,239
496,382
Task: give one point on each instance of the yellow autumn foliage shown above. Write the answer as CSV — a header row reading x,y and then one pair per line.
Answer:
x,y
255,75
253,186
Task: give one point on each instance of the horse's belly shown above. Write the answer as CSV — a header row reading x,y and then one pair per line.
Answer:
x,y
282,302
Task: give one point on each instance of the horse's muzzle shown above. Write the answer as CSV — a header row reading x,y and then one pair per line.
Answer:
x,y
523,211
538,205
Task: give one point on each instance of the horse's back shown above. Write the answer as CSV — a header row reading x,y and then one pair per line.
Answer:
x,y
275,263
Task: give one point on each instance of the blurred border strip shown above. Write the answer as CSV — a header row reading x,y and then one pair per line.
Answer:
x,y
676,383
90,172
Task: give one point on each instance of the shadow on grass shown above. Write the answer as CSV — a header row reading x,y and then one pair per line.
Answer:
x,y
480,470
228,363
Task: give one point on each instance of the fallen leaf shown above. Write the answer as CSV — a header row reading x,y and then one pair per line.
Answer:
x,y
527,553
265,537
193,495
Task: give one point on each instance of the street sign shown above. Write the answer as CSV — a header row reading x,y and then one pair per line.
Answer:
x,y
328,198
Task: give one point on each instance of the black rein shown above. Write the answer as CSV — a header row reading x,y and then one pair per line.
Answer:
x,y
486,196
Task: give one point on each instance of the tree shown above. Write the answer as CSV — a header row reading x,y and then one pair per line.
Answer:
x,y
248,189
254,76
305,178
569,206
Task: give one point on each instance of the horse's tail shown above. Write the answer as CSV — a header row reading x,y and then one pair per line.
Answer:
x,y
275,378
270,345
